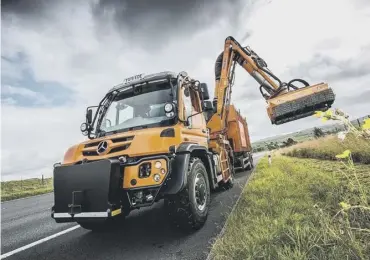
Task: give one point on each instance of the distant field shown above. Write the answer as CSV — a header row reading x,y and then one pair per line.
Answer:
x,y
304,135
25,188
299,209
328,147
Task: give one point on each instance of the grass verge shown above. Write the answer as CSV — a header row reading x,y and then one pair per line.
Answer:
x,y
329,146
294,209
20,189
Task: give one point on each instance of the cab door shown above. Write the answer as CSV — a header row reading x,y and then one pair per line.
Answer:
x,y
196,131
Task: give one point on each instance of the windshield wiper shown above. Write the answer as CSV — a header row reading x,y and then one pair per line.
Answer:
x,y
137,127
102,133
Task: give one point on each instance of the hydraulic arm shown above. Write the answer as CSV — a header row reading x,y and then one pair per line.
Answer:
x,y
285,101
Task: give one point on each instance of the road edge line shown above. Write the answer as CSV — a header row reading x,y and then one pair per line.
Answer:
x,y
20,249
28,197
210,255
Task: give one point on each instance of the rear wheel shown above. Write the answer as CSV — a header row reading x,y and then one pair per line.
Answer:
x,y
250,162
189,208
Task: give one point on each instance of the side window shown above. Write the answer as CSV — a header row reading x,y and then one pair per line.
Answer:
x,y
187,104
198,118
195,102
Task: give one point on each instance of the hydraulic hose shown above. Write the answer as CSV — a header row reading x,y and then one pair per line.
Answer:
x,y
218,66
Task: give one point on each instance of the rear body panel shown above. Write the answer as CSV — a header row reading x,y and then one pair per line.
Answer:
x,y
237,132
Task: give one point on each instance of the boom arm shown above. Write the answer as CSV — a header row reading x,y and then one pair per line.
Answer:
x,y
271,87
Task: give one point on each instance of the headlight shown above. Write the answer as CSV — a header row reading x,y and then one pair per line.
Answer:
x,y
170,114
83,127
156,177
168,107
158,164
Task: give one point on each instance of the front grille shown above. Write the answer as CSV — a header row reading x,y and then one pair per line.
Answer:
x,y
91,144
90,148
122,139
120,148
90,153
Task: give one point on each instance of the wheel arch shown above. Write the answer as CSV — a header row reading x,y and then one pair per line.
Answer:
x,y
179,167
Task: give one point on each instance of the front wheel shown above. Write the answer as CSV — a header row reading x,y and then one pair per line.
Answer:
x,y
189,208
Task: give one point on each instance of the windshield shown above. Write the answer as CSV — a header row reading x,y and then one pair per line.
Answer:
x,y
140,107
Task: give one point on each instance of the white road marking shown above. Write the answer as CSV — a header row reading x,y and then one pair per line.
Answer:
x,y
38,242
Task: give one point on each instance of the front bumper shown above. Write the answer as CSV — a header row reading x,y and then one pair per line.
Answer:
x,y
87,191
106,188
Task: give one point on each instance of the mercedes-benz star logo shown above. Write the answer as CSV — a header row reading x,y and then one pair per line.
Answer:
x,y
102,147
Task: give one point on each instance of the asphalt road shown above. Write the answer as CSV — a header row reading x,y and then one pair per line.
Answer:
x,y
145,234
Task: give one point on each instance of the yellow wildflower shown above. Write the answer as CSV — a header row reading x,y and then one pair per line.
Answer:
x,y
318,114
345,206
366,124
343,155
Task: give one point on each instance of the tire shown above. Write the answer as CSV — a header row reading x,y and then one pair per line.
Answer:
x,y
250,160
188,209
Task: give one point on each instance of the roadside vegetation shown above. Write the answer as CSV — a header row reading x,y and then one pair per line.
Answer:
x,y
300,209
305,208
329,146
19,189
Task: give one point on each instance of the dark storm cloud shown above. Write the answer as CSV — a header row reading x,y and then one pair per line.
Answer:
x,y
24,7
153,22
336,69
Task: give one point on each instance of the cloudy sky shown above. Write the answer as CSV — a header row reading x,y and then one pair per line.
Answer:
x,y
60,56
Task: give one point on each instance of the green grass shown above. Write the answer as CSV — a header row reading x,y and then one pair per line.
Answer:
x,y
19,189
328,147
291,210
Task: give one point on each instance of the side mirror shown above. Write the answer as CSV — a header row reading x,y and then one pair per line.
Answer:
x,y
203,89
89,116
207,106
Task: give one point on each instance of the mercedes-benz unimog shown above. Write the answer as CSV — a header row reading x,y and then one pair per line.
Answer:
x,y
148,140
159,137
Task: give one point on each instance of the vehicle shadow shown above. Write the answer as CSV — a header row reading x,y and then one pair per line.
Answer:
x,y
149,234
140,234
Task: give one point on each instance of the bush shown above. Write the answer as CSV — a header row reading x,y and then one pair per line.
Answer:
x,y
294,209
328,147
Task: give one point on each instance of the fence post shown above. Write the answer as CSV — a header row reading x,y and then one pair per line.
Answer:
x,y
270,159
21,184
42,179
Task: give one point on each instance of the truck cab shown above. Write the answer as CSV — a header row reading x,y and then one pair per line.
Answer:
x,y
147,140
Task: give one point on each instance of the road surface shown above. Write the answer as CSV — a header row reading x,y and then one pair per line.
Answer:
x,y
28,229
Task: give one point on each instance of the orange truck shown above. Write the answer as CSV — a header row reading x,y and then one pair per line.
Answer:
x,y
159,137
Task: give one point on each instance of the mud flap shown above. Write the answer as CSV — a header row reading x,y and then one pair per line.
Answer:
x,y
87,191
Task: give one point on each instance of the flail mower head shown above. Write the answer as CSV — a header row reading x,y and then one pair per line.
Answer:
x,y
300,103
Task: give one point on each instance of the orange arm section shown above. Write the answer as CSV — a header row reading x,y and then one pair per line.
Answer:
x,y
223,88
